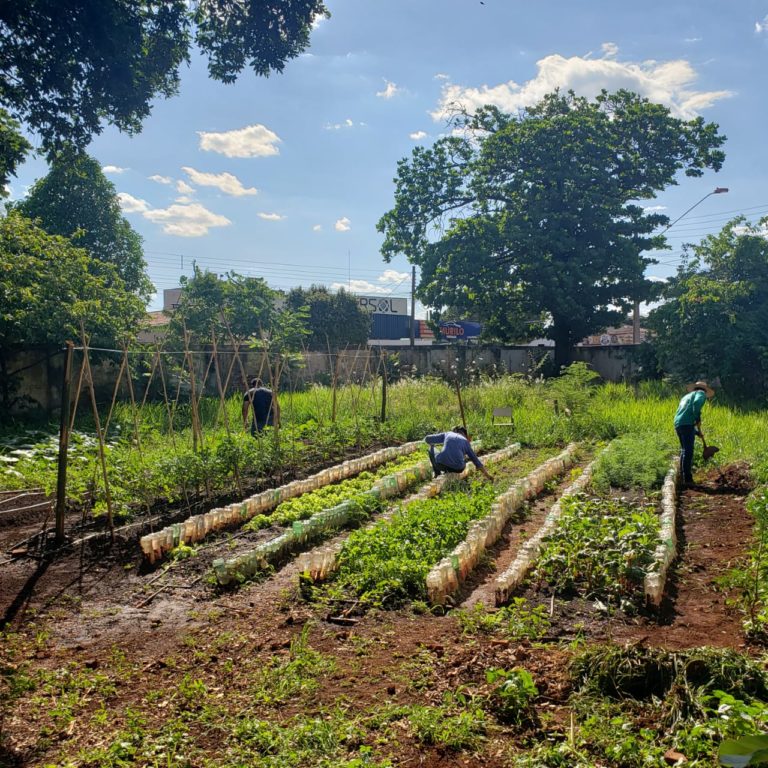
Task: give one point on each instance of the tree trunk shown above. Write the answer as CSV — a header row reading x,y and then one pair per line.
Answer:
x,y
561,333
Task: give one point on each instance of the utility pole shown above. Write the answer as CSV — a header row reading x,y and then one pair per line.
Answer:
x,y
413,306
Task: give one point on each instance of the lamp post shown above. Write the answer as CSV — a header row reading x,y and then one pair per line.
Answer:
x,y
636,308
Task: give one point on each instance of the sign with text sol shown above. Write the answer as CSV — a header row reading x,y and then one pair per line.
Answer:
x,y
383,305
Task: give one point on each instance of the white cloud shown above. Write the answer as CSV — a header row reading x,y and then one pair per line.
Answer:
x,y
762,26
343,225
692,40
318,20
668,83
251,141
317,228
184,189
390,89
418,135
184,199
392,276
442,76
226,182
113,169
360,286
131,204
193,220
270,216
348,123
653,208
161,179
610,50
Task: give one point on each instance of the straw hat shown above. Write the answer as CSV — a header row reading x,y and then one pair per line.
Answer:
x,y
702,385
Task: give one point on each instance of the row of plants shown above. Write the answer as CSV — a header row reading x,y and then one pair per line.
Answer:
x,y
304,506
167,463
604,544
387,564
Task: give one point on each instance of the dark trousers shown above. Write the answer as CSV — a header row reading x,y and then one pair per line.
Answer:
x,y
686,433
437,466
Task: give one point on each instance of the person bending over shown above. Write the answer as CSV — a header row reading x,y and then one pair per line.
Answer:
x,y
688,424
456,450
266,411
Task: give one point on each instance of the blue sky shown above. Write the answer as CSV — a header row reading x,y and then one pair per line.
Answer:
x,y
286,177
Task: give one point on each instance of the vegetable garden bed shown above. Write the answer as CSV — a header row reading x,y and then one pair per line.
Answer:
x,y
601,543
156,545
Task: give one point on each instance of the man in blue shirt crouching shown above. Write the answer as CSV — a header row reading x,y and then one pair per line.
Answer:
x,y
456,450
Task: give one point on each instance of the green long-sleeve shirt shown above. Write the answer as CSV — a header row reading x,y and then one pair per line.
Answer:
x,y
689,410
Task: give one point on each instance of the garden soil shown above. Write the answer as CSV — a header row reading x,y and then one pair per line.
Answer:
x,y
83,608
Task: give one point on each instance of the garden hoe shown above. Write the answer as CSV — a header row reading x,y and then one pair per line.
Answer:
x,y
709,450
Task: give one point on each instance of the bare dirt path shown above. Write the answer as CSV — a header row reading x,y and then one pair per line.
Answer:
x,y
714,530
480,586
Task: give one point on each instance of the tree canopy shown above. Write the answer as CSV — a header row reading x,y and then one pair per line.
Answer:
x,y
47,285
13,149
68,67
534,222
714,321
229,306
335,320
77,200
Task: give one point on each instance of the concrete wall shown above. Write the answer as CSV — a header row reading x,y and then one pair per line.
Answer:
x,y
38,371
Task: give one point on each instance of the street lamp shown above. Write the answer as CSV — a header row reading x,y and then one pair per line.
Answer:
x,y
636,308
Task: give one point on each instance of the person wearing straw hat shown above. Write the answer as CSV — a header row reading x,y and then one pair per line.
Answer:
x,y
688,424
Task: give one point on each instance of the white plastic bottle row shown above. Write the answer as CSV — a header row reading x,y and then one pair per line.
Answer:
x,y
248,564
448,575
507,582
667,548
321,562
156,545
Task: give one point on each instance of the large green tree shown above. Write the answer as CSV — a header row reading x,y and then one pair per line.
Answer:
x,y
47,286
335,320
533,221
229,306
68,67
714,319
77,200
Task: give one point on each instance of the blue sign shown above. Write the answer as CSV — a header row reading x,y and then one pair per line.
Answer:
x,y
461,329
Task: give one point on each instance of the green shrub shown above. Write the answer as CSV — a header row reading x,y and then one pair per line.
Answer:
x,y
632,461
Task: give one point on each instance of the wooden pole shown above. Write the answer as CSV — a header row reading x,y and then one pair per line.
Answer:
x,y
61,480
461,404
383,385
97,422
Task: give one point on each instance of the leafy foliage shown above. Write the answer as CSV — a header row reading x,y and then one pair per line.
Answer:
x,y
77,200
714,321
304,506
537,214
601,549
335,320
632,461
13,149
233,304
47,285
388,563
68,68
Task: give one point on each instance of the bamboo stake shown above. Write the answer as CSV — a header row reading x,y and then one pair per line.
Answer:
x,y
102,458
61,480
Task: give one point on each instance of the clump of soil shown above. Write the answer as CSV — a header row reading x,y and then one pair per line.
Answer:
x,y
733,478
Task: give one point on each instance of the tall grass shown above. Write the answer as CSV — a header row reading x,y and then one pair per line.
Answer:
x,y
545,413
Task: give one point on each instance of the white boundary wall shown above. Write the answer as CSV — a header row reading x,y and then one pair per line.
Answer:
x,y
447,576
156,545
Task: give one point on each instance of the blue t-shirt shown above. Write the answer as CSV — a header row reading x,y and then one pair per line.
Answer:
x,y
455,448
